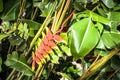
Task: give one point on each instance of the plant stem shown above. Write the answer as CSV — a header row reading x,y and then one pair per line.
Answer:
x,y
33,16
57,17
62,15
92,69
8,78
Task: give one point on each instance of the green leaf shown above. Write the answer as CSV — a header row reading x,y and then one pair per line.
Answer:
x,y
1,5
15,40
0,64
107,40
32,24
45,8
111,39
18,64
81,40
2,36
114,16
11,10
109,3
98,18
101,52
115,62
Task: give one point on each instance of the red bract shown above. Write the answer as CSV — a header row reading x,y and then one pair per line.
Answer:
x,y
39,55
57,38
36,59
51,44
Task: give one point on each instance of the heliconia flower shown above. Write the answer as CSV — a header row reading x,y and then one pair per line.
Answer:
x,y
46,46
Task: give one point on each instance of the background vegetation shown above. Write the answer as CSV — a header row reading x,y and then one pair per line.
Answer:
x,y
59,39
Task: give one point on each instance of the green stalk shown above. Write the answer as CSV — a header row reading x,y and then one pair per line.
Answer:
x,y
62,16
57,17
92,69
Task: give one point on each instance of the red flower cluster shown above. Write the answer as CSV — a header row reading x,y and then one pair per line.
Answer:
x,y
45,47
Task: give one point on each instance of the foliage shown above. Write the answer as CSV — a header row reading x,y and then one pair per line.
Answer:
x,y
68,39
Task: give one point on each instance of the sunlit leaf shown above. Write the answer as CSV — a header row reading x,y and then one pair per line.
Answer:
x,y
83,37
2,36
18,64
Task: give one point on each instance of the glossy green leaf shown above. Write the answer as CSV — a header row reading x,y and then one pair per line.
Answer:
x,y
0,64
1,5
83,37
2,36
11,10
18,64
109,3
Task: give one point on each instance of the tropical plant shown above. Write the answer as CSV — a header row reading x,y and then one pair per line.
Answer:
x,y
59,39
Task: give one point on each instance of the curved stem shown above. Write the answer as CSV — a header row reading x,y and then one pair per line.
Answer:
x,y
92,69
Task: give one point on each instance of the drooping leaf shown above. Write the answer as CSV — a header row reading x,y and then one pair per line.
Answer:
x,y
11,10
2,36
1,5
83,37
18,64
0,64
109,3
